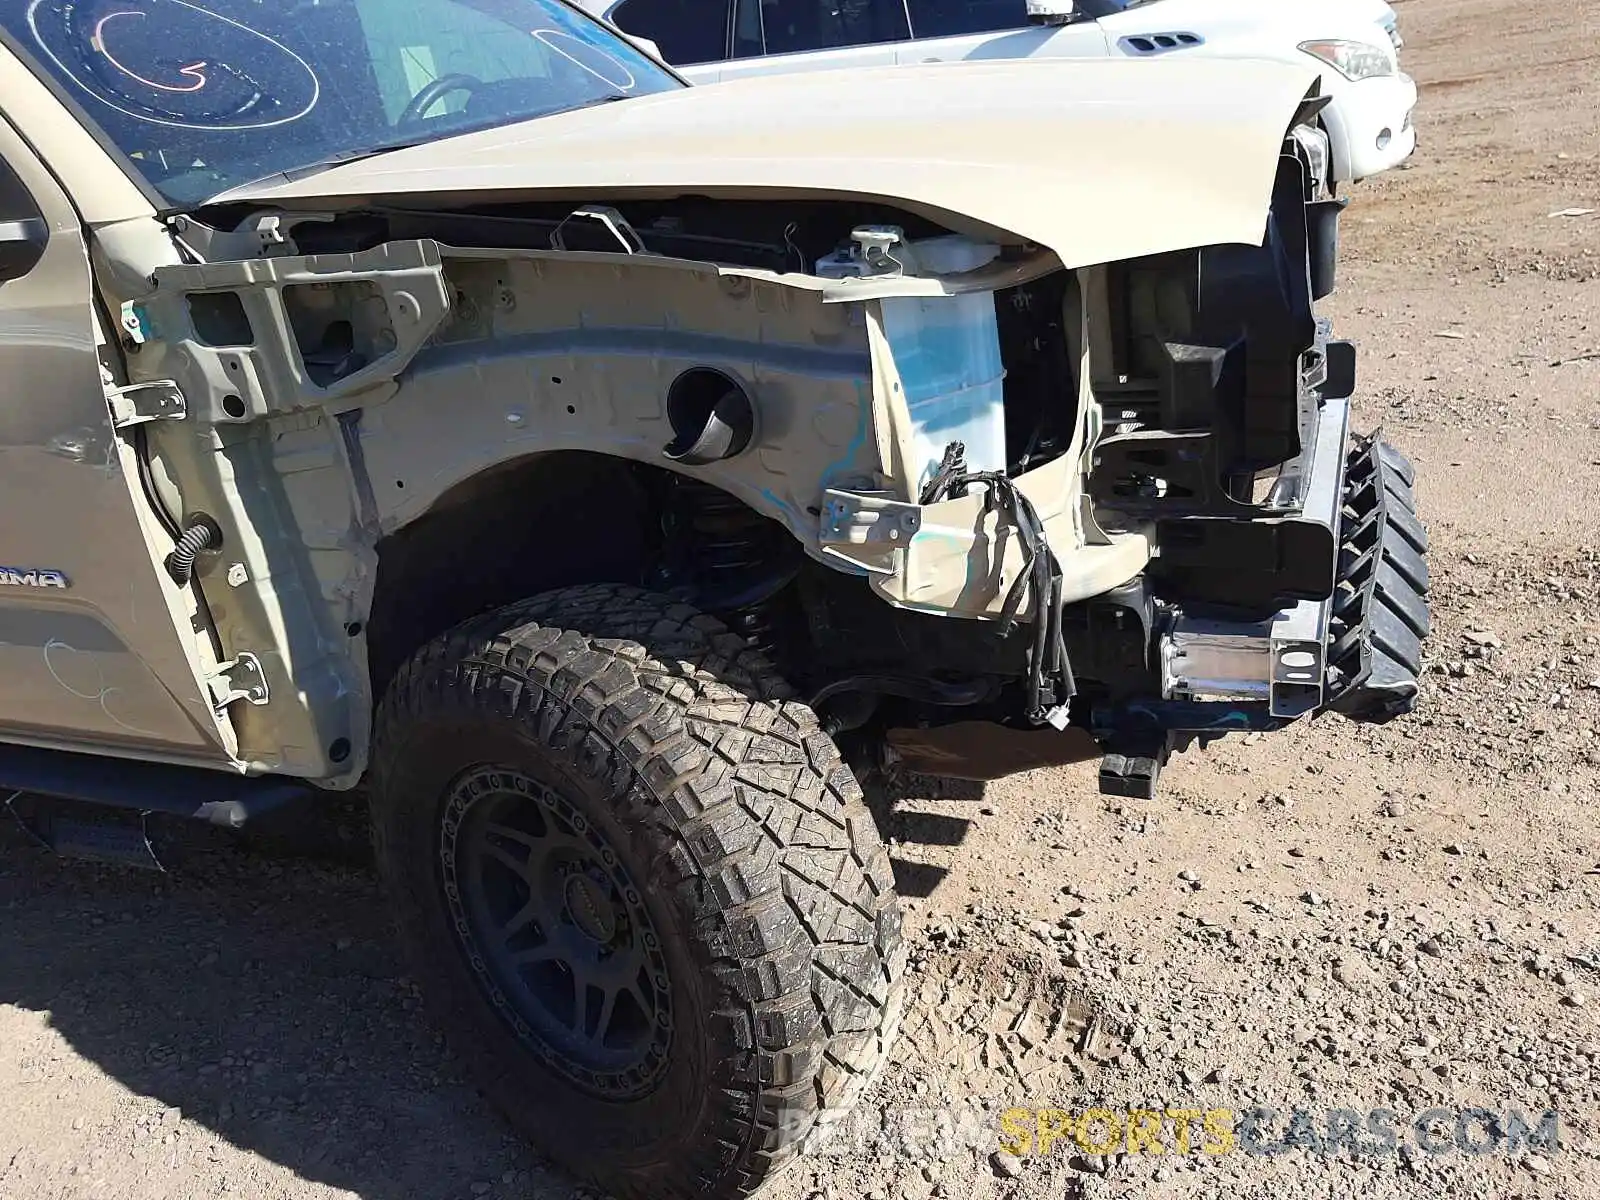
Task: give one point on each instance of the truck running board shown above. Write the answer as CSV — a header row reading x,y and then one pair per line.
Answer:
x,y
215,797
93,807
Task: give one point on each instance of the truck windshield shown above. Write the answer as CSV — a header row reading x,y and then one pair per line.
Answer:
x,y
204,95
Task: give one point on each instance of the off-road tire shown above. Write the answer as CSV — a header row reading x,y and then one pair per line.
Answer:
x,y
760,863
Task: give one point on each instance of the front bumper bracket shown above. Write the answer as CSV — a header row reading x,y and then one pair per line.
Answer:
x,y
1357,652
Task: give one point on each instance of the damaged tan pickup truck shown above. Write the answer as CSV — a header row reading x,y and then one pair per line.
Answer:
x,y
605,475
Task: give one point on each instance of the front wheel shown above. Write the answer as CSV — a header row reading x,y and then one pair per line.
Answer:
x,y
643,894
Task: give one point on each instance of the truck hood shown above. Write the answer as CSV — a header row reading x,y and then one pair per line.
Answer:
x,y
1096,160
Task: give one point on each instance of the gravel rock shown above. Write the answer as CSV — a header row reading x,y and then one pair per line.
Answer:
x,y
1353,971
1005,1166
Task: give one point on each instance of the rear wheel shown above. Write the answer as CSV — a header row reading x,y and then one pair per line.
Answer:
x,y
643,893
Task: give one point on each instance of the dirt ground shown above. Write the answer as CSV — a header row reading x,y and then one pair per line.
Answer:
x,y
1332,921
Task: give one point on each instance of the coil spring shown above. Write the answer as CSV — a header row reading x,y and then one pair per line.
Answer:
x,y
740,562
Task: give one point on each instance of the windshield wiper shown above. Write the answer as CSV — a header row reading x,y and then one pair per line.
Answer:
x,y
346,156
598,100
317,166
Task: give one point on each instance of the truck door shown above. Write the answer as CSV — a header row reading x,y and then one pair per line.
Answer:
x,y
89,650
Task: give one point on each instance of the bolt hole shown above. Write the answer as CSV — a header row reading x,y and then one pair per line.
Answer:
x,y
353,629
232,366
340,750
571,409
400,483
233,405
556,379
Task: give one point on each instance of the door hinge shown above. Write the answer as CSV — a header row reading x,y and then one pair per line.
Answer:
x,y
159,400
240,678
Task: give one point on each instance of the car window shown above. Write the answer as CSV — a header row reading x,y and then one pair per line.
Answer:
x,y
950,18
688,31
200,99
412,45
788,26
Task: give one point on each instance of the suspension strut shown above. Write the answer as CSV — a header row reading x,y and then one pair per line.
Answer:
x,y
731,561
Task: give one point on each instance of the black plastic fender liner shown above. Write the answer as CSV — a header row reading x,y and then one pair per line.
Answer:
x,y
1380,610
1322,244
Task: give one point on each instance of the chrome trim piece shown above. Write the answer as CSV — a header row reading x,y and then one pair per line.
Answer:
x,y
1217,660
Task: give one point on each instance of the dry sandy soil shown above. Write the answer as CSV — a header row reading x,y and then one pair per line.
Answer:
x,y
1338,918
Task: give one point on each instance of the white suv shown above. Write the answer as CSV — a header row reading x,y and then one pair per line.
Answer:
x,y
1368,119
